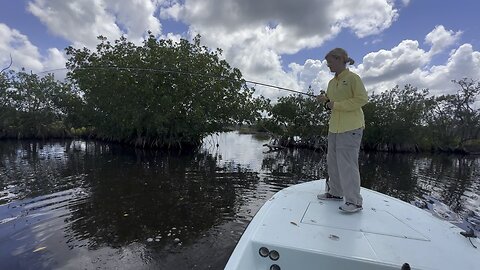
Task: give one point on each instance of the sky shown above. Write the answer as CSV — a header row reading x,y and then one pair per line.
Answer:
x,y
424,43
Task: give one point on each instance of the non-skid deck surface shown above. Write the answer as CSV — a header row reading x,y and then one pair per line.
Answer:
x,y
387,230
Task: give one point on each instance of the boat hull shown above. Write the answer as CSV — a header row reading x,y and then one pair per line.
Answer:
x,y
311,234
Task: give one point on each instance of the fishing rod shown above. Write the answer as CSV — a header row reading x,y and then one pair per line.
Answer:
x,y
182,73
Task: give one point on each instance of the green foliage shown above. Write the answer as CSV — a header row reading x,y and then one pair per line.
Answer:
x,y
396,117
160,100
297,115
453,120
456,114
173,94
30,106
402,118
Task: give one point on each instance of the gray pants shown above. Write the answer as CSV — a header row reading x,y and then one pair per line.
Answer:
x,y
342,162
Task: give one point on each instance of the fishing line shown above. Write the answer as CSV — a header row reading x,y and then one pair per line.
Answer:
x,y
11,62
183,73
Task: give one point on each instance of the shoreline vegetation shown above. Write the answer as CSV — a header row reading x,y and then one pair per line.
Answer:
x,y
320,144
172,95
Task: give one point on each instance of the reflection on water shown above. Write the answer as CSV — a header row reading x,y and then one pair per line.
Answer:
x,y
451,179
84,205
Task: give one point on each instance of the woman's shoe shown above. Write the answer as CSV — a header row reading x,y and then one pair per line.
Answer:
x,y
350,207
328,196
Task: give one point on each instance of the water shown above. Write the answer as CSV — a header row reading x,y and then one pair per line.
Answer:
x,y
90,205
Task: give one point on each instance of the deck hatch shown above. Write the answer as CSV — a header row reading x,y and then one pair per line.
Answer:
x,y
373,221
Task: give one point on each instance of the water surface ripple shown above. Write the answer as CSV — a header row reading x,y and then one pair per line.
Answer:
x,y
90,205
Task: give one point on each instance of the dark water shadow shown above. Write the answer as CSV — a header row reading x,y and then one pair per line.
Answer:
x,y
85,205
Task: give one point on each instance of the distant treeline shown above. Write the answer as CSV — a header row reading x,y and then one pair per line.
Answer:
x,y
147,96
173,94
397,120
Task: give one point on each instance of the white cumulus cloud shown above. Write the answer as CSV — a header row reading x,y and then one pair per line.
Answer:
x,y
408,63
24,54
254,34
440,38
81,21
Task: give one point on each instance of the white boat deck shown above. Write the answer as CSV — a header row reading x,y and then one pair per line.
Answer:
x,y
313,234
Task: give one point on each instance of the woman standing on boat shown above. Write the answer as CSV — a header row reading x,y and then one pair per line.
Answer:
x,y
345,96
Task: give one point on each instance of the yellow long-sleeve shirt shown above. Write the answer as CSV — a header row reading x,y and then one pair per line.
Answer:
x,y
349,95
